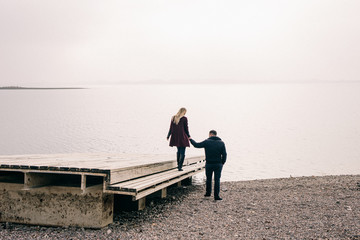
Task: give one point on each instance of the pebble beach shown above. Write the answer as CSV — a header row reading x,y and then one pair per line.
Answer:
x,y
290,208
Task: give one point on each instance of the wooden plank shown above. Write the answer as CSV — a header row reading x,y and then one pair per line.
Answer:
x,y
124,174
102,174
155,176
119,160
161,186
145,182
145,185
148,178
151,190
116,167
59,163
87,161
120,175
154,179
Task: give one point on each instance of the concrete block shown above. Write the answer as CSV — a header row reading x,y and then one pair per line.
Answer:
x,y
56,206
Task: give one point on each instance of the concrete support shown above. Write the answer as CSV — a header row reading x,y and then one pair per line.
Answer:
x,y
56,206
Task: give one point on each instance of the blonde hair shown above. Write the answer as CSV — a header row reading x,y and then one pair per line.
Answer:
x,y
179,115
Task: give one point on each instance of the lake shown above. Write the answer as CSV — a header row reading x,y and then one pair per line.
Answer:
x,y
270,130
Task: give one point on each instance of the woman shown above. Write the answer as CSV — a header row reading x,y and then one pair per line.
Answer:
x,y
179,133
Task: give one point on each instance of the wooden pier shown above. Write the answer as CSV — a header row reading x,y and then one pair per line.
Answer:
x,y
79,189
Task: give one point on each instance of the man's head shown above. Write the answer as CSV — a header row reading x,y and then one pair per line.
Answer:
x,y
212,133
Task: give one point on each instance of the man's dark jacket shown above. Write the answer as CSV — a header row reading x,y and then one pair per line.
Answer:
x,y
215,151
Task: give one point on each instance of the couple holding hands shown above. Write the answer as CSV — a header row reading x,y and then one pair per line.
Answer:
x,y
215,151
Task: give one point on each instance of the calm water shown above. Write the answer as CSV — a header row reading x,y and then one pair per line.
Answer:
x,y
270,130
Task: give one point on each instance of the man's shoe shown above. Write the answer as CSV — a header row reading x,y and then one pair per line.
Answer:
x,y
217,198
207,195
180,169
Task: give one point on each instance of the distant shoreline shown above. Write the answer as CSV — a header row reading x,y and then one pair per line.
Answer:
x,y
39,88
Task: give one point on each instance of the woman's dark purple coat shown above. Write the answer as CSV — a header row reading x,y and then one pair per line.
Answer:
x,y
179,133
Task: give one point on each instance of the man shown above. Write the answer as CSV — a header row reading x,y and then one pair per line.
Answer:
x,y
215,155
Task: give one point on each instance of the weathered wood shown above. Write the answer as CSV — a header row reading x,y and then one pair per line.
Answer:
x,y
63,181
83,182
161,186
121,166
163,193
164,177
141,203
104,173
151,180
119,175
154,188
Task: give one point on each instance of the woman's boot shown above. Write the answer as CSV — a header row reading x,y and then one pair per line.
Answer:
x,y
177,158
181,161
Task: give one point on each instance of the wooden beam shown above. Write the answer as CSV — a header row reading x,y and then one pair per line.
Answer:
x,y
163,193
83,183
141,203
160,186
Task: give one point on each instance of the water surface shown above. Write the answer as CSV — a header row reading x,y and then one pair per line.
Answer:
x,y
270,130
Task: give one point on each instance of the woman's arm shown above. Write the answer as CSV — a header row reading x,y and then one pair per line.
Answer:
x,y
197,145
186,128
170,128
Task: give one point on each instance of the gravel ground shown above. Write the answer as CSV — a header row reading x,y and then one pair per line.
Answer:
x,y
292,208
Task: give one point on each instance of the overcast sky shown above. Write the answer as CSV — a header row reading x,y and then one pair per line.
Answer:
x,y
77,42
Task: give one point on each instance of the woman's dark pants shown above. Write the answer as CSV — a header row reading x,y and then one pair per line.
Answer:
x,y
180,156
209,169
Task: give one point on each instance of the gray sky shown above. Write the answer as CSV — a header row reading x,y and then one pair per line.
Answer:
x,y
77,42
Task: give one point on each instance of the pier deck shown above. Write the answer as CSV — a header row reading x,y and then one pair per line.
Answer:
x,y
78,189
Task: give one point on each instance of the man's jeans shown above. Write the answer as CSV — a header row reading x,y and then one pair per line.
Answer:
x,y
209,169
